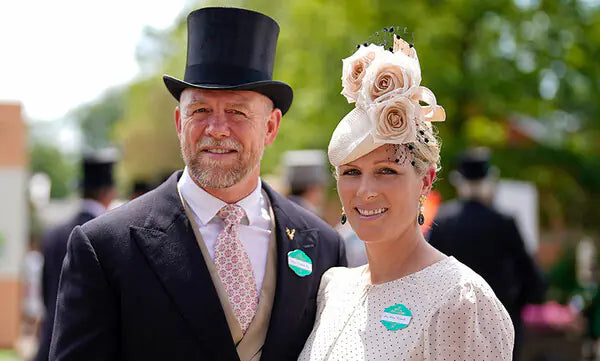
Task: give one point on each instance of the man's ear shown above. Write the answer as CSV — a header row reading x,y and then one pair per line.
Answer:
x,y
272,127
428,179
177,116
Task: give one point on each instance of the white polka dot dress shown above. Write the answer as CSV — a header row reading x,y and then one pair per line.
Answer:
x,y
448,313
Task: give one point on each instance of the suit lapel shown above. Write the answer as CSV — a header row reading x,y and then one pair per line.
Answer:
x,y
292,292
167,240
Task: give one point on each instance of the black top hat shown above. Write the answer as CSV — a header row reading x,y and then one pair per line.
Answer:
x,y
98,169
474,164
232,49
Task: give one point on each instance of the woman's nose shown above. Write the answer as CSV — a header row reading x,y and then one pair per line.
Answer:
x,y
367,188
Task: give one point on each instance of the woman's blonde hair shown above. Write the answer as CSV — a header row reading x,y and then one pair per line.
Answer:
x,y
426,150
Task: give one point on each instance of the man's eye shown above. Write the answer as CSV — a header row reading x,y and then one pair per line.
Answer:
x,y
200,110
351,172
236,112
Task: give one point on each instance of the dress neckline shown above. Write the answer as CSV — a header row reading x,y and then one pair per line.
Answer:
x,y
365,280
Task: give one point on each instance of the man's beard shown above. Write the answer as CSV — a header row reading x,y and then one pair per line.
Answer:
x,y
211,173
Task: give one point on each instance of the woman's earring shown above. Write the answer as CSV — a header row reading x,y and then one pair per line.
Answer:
x,y
344,218
421,218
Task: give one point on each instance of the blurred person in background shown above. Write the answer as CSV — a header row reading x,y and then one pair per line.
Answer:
x,y
213,264
471,230
32,301
139,188
98,191
306,177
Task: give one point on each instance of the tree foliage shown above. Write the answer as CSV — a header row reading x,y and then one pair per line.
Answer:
x,y
47,158
518,76
97,120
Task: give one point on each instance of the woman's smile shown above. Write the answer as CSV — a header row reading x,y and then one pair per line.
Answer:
x,y
370,213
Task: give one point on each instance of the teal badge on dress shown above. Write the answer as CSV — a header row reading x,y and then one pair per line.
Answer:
x,y
300,263
396,317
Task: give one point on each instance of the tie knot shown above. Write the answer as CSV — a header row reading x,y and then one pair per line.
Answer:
x,y
231,214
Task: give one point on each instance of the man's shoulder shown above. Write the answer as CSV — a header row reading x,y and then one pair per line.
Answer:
x,y
300,214
312,219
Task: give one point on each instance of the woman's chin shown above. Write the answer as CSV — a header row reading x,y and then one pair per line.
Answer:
x,y
370,236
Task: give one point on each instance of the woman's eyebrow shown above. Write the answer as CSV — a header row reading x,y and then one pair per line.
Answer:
x,y
384,161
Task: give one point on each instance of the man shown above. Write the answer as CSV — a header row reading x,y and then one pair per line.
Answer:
x,y
486,240
212,264
98,192
306,176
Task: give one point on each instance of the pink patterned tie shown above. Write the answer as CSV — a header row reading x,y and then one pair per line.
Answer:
x,y
234,267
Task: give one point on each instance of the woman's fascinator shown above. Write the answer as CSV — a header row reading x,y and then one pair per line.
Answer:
x,y
391,106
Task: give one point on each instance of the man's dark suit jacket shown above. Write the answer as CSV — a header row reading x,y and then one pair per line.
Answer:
x,y
490,244
54,248
135,285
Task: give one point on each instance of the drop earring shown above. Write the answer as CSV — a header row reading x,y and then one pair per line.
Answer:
x,y
344,218
421,217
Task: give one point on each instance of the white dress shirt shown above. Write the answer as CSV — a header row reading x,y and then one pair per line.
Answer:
x,y
254,230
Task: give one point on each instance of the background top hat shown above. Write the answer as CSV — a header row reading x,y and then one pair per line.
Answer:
x,y
474,164
97,168
305,168
231,49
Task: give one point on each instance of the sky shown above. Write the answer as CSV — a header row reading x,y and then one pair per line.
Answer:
x,y
56,55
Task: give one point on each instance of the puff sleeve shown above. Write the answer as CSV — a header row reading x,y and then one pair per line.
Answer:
x,y
469,324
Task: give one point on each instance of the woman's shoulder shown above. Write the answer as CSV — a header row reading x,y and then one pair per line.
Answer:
x,y
343,274
449,281
466,290
341,278
468,313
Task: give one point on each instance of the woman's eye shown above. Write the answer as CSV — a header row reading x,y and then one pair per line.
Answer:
x,y
351,172
387,171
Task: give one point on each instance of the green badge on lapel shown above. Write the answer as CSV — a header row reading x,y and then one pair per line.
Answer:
x,y
299,262
396,317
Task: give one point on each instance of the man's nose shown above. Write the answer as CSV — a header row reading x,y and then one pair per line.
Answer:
x,y
217,126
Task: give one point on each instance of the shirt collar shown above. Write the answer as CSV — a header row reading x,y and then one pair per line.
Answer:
x,y
205,206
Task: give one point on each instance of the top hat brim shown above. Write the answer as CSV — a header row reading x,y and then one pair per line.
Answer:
x,y
279,92
456,177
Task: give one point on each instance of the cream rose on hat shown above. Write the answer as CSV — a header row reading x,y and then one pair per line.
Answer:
x,y
385,85
395,121
354,69
389,75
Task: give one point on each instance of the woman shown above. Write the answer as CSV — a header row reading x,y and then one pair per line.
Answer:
x,y
410,302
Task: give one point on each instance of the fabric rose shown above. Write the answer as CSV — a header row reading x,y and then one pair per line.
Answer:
x,y
354,68
390,75
430,112
395,120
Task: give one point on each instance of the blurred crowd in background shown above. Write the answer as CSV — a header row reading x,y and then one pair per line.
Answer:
x,y
520,82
